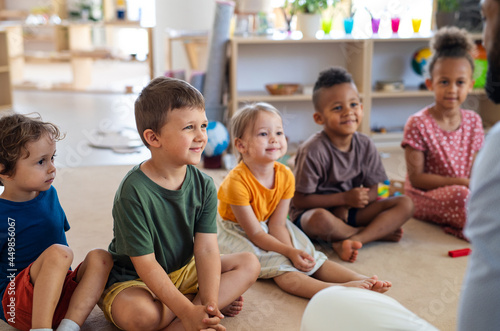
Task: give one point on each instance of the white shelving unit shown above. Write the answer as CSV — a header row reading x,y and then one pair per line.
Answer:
x,y
257,61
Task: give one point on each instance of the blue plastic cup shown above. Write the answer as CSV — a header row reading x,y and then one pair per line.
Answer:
x,y
348,24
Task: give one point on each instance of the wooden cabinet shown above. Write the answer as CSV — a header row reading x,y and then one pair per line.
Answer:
x,y
5,83
257,61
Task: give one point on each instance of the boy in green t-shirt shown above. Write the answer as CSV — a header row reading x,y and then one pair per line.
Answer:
x,y
164,214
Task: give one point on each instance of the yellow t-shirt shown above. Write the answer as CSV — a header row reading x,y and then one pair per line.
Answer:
x,y
241,188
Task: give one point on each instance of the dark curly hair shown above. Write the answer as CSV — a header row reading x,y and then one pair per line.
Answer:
x,y
451,42
328,78
16,131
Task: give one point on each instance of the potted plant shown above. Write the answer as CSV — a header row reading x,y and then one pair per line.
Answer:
x,y
447,12
310,6
308,14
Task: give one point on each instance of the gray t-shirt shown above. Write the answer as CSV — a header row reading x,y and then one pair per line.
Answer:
x,y
321,168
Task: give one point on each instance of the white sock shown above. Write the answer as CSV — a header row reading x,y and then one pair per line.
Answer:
x,y
68,325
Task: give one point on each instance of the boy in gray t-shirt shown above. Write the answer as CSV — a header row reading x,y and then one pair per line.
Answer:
x,y
337,172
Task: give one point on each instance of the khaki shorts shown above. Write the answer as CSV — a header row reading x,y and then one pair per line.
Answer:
x,y
185,280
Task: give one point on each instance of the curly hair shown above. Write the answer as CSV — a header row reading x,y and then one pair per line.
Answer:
x,y
451,42
328,78
160,96
16,131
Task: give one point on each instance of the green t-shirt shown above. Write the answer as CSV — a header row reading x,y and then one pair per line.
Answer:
x,y
151,219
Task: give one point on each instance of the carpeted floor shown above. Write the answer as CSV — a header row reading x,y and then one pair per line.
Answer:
x,y
424,278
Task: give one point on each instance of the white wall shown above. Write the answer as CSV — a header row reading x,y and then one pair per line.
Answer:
x,y
179,15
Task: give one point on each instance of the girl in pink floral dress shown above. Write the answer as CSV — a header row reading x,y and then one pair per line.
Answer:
x,y
442,140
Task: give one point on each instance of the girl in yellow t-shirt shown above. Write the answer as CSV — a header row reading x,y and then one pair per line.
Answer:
x,y
253,202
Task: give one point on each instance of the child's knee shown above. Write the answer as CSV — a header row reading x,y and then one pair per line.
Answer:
x,y
319,221
251,263
141,314
406,203
100,258
58,255
145,318
246,263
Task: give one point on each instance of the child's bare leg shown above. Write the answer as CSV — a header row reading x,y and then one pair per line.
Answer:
x,y
47,274
305,286
394,236
332,272
239,272
383,219
299,284
135,308
91,278
319,223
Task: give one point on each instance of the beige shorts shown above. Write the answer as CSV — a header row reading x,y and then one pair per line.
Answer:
x,y
185,280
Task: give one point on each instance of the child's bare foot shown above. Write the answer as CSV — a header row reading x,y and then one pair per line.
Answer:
x,y
233,308
366,284
381,286
347,250
370,283
394,236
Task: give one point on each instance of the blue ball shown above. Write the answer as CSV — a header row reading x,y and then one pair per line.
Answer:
x,y
218,139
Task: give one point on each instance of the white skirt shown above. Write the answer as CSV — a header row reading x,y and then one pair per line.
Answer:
x,y
233,239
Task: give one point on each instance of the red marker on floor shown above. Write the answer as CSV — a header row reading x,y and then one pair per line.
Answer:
x,y
460,252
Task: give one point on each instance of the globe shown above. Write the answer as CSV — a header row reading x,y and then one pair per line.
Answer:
x,y
218,139
420,59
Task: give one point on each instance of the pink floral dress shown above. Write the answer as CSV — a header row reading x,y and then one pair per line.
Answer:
x,y
446,153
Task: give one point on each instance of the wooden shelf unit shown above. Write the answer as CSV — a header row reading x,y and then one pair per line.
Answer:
x,y
256,61
5,83
70,41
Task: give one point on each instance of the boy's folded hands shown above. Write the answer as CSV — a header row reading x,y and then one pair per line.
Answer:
x,y
200,317
357,197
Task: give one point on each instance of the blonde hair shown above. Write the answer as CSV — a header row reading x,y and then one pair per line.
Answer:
x,y
245,118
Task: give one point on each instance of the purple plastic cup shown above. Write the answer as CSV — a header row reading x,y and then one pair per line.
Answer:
x,y
375,24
